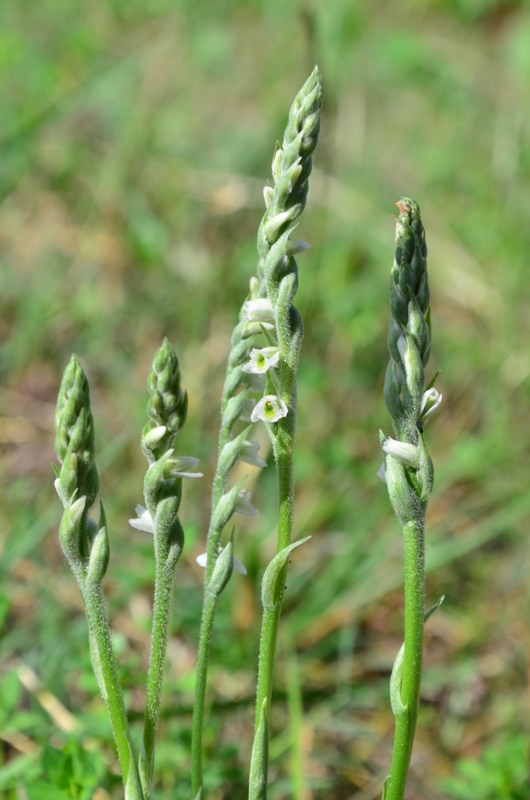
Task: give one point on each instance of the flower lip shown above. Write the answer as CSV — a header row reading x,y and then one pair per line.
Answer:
x,y
144,522
180,467
261,360
270,408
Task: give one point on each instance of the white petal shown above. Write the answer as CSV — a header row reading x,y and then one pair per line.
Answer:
x,y
249,453
202,559
153,436
259,310
431,398
238,566
407,453
243,505
179,467
381,473
144,521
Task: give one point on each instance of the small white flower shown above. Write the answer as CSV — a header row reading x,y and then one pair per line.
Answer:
x,y
154,435
249,453
237,565
243,505
430,401
381,473
262,360
179,467
407,453
259,310
269,409
144,521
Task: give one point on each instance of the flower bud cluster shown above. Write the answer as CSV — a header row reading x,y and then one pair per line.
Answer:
x,y
166,409
84,542
408,469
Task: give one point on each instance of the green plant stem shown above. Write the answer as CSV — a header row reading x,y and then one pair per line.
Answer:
x,y
107,672
165,570
205,634
414,548
201,672
283,443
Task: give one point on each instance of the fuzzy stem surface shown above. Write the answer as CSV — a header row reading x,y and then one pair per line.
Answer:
x,y
107,673
414,550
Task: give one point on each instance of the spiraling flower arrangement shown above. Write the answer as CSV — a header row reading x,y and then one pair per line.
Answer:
x,y
260,386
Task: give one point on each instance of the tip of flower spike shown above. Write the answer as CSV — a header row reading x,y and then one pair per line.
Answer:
x,y
408,208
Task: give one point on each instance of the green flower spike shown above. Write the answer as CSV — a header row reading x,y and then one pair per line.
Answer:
x,y
408,469
166,408
86,546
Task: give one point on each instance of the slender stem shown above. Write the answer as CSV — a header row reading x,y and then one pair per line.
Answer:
x,y
165,571
412,662
208,615
283,448
107,671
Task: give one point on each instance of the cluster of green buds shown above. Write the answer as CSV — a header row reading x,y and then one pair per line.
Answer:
x,y
84,543
408,472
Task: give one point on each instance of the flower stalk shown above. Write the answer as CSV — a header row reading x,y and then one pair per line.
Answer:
x,y
408,469
278,276
166,410
85,544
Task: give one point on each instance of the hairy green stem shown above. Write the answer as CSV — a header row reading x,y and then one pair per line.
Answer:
x,y
283,444
201,672
107,672
406,717
155,676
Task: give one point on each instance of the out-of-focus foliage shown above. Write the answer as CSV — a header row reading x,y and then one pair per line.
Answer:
x,y
136,139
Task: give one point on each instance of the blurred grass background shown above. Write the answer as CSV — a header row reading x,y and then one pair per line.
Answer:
x,y
136,139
